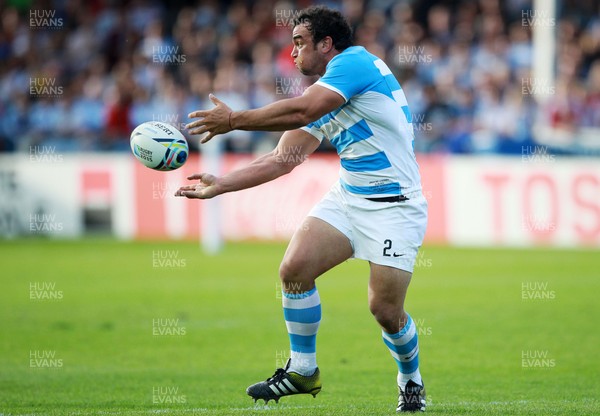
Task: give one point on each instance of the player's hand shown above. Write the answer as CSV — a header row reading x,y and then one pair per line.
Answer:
x,y
205,189
213,122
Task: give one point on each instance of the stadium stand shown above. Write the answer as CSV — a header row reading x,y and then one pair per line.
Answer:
x,y
79,75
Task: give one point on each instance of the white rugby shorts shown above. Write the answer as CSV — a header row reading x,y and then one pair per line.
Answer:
x,y
386,233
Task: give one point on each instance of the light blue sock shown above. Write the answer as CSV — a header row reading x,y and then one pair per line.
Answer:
x,y
404,347
302,312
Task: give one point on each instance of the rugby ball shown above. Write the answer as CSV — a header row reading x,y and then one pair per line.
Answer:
x,y
159,146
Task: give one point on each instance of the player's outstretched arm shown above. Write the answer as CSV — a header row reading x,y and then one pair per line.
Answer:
x,y
293,148
287,114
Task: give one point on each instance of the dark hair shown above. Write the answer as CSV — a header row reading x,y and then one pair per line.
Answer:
x,y
322,21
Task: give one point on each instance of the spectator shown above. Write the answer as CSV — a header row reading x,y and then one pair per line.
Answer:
x,y
465,64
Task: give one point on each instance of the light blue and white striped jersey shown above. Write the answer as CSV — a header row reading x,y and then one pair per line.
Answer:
x,y
372,131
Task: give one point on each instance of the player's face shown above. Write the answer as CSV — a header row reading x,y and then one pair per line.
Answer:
x,y
305,54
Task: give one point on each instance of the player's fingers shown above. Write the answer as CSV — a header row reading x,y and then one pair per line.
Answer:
x,y
195,124
181,191
197,113
207,137
214,99
196,176
199,130
188,188
188,194
194,194
207,180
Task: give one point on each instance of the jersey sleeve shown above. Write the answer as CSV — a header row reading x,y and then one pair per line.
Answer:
x,y
314,130
344,75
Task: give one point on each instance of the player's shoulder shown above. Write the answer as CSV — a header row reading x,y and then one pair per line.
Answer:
x,y
352,56
353,71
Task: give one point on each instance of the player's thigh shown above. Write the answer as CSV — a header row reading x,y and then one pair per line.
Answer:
x,y
315,248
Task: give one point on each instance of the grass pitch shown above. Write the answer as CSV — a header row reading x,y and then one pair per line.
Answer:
x,y
104,327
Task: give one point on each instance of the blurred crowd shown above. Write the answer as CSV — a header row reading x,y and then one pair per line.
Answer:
x,y
80,75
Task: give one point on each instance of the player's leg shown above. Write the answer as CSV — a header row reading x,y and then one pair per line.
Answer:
x,y
387,292
315,248
389,236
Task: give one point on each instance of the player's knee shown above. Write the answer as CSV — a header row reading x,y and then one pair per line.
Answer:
x,y
294,276
387,315
290,270
379,311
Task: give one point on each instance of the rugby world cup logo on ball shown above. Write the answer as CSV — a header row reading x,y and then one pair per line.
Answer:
x,y
159,146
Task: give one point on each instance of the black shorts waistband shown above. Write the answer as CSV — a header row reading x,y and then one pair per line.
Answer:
x,y
395,198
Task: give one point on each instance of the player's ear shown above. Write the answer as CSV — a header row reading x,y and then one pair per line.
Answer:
x,y
326,44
